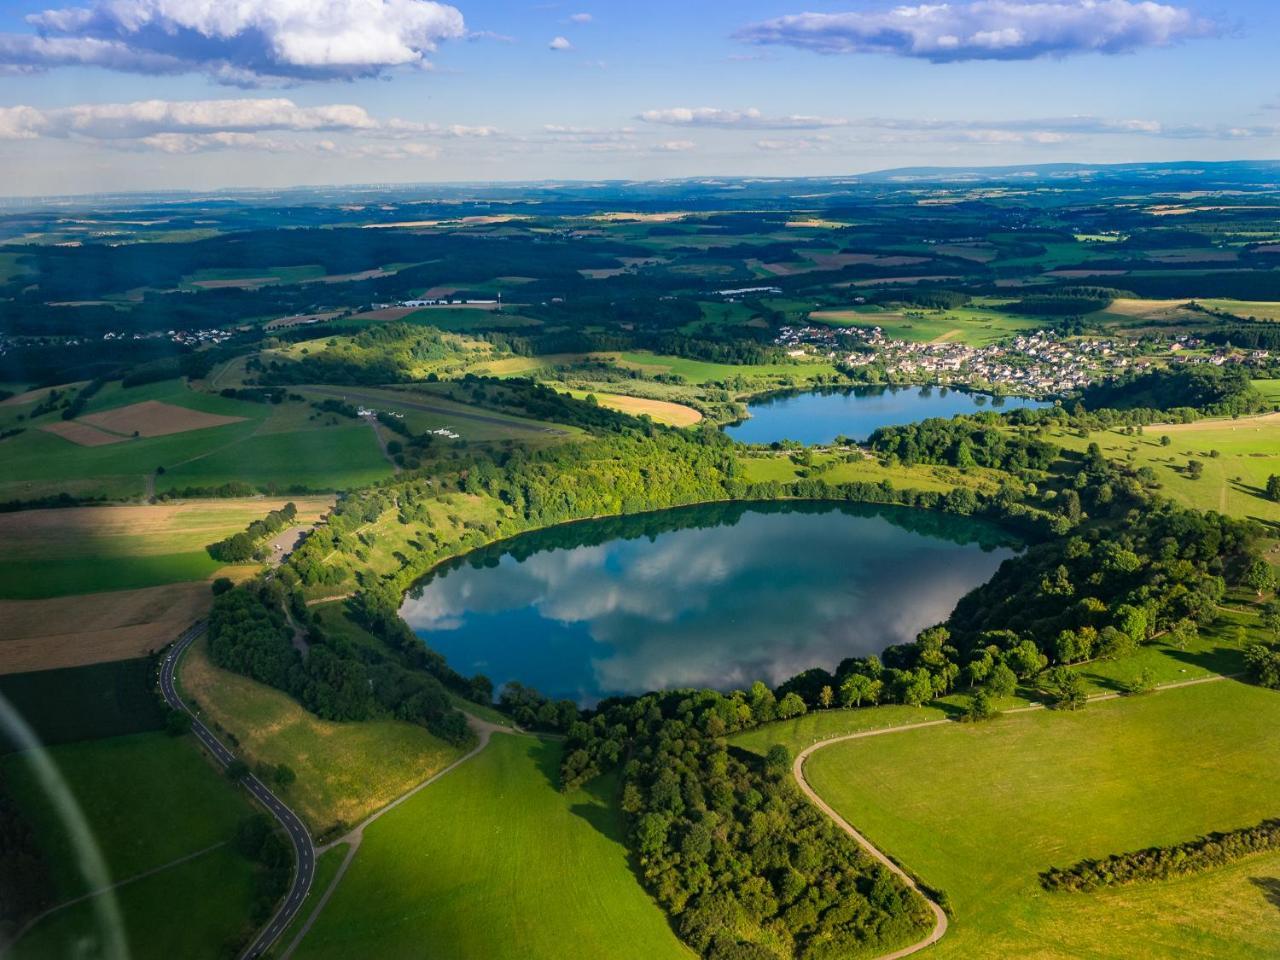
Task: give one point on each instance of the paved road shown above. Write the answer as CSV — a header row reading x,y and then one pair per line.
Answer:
x,y
410,402
304,852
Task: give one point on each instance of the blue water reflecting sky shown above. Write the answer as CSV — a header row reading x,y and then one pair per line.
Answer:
x,y
760,598
819,416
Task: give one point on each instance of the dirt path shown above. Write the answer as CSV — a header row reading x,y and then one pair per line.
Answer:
x,y
26,927
939,915
484,730
382,442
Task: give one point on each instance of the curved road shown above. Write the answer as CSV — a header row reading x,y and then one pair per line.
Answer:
x,y
304,852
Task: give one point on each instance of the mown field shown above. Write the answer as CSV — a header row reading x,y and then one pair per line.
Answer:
x,y
528,873
284,445
51,553
149,800
980,810
345,771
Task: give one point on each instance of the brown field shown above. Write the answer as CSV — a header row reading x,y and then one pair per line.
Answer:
x,y
837,261
141,530
373,274
388,313
871,283
1194,255
1085,272
31,396
80,433
151,418
234,282
297,321
601,273
96,627
664,411
1140,308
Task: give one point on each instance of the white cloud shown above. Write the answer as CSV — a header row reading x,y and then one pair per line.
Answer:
x,y
580,18
1050,130
676,146
794,144
560,43
750,119
987,29
246,42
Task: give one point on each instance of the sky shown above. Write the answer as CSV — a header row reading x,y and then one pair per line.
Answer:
x,y
120,95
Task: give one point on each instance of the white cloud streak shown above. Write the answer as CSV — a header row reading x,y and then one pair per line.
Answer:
x,y
244,43
749,119
987,29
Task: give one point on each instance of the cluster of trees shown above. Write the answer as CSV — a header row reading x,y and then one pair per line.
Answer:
x,y
1163,863
747,868
249,633
26,886
534,711
1065,301
386,353
1217,391
976,440
258,841
243,546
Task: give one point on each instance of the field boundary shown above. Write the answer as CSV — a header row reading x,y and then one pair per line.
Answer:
x,y
940,917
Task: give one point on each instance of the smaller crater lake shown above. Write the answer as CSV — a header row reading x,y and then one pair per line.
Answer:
x,y
819,416
719,595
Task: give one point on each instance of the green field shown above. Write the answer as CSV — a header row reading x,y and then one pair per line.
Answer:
x,y
112,698
974,325
1232,483
1258,309
529,873
979,810
149,800
51,553
274,445
702,371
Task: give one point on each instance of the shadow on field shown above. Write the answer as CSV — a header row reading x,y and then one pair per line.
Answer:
x,y
1270,887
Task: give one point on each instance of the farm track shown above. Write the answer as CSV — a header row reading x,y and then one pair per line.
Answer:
x,y
940,922
355,836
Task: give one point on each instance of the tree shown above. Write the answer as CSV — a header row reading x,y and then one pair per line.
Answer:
x,y
1066,687
825,697
791,706
1183,632
777,761
980,708
237,770
1263,661
221,585
858,687
1166,440
284,775
1002,682
1260,577
1273,487
177,722
1195,469
1144,681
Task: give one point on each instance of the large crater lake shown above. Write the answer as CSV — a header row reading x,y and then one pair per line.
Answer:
x,y
819,416
710,596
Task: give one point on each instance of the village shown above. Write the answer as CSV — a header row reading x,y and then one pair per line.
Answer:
x,y
1043,364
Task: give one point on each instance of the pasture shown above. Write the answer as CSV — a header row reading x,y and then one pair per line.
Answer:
x,y
345,770
703,371
1233,482
975,325
529,874
149,799
980,810
50,553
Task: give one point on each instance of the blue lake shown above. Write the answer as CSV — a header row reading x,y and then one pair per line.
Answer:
x,y
819,416
710,596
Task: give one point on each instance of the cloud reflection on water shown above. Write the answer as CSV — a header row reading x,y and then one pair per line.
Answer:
x,y
763,598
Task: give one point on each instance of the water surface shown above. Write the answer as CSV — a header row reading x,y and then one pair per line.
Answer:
x,y
819,416
712,596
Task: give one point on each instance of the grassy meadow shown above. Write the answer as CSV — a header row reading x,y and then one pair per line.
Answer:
x,y
345,771
980,810
1232,482
975,325
529,873
149,799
